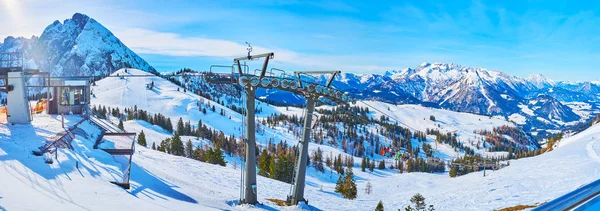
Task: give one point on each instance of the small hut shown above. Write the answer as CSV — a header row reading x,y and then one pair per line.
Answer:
x,y
69,95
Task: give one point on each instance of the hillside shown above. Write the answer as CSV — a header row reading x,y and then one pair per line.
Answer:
x,y
165,99
165,182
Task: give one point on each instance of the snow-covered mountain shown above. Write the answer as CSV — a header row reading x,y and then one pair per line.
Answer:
x,y
540,81
473,90
77,46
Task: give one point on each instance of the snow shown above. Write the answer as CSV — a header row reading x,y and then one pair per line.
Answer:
x,y
540,81
416,117
582,109
165,99
164,182
526,110
518,118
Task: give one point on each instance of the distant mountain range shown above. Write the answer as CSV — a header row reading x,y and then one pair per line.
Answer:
x,y
533,102
79,46
82,46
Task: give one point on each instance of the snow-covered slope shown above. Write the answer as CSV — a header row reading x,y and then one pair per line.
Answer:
x,y
417,117
165,98
165,182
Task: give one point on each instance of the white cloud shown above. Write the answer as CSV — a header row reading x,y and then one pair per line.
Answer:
x,y
147,41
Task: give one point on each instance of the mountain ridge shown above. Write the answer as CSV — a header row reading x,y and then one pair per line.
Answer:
x,y
79,46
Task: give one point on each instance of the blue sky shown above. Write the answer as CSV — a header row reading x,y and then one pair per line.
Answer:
x,y
559,39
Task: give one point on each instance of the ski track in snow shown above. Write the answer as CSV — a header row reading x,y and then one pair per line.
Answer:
x,y
592,152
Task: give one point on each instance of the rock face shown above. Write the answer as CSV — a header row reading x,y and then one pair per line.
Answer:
x,y
79,46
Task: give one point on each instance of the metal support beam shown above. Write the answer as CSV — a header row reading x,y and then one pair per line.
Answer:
x,y
332,72
318,72
239,67
250,177
299,181
254,57
331,79
264,67
299,81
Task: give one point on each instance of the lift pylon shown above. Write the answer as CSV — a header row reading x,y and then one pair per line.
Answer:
x,y
300,171
250,83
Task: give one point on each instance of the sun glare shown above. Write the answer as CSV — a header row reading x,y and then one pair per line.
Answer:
x,y
11,6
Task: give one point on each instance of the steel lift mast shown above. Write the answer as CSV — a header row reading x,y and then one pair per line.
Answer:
x,y
300,171
250,83
250,192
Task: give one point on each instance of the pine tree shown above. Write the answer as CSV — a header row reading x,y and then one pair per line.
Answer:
x,y
409,165
363,164
339,168
350,185
142,139
121,125
419,201
401,167
169,125
272,168
453,172
153,146
189,149
180,127
199,154
372,166
161,145
379,206
263,163
177,146
218,158
339,185
381,165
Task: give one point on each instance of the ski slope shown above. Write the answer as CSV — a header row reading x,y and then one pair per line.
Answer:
x,y
165,99
165,182
417,117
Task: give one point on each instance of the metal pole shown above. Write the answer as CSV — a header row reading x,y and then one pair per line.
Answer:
x,y
128,174
299,181
264,67
250,177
